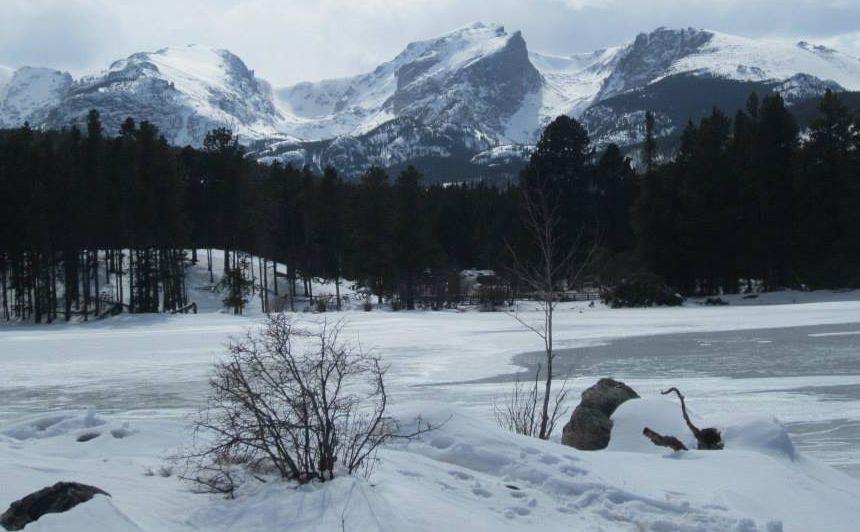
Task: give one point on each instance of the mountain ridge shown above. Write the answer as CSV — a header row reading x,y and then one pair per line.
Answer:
x,y
476,93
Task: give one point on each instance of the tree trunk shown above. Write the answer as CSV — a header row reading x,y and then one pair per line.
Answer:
x,y
337,284
544,421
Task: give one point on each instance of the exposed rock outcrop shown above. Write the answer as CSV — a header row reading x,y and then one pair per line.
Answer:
x,y
60,497
589,426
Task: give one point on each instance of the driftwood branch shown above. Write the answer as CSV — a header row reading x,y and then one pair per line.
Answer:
x,y
664,441
708,438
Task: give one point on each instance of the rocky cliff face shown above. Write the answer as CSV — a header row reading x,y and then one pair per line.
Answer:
x,y
649,57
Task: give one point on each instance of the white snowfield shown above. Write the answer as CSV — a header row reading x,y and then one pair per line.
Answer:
x,y
134,381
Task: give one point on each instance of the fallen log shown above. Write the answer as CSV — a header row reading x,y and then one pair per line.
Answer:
x,y
664,441
184,310
708,438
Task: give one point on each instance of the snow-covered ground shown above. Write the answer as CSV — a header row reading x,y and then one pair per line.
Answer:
x,y
135,380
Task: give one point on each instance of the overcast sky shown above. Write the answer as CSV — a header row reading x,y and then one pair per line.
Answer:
x,y
293,40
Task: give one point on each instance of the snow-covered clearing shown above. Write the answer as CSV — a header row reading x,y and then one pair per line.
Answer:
x,y
143,376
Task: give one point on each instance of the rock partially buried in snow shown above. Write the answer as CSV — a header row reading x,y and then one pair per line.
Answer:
x,y
60,497
589,427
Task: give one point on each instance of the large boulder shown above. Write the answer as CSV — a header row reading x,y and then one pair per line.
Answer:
x,y
589,426
60,497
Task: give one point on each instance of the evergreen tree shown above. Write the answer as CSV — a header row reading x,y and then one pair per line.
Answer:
x,y
373,257
411,232
649,146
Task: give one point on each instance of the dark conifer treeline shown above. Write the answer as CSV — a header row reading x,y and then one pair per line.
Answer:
x,y
748,201
71,204
95,222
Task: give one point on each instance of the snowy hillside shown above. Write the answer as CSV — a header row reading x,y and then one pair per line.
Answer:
x,y
451,97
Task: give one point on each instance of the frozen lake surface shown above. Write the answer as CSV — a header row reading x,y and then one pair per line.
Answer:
x,y
157,367
141,376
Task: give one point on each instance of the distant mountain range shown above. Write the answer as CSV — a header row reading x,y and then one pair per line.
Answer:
x,y
466,104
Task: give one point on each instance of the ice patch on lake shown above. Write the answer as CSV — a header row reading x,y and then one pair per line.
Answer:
x,y
840,333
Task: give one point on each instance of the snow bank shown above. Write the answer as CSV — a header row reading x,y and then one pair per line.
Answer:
x,y
97,514
471,475
764,435
468,474
660,415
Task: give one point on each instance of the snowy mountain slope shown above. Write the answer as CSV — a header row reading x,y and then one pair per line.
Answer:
x,y
667,52
568,86
186,91
6,74
740,58
30,93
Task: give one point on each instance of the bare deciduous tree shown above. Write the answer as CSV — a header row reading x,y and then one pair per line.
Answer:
x,y
557,265
294,403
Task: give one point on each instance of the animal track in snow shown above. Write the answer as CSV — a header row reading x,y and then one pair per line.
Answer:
x,y
517,511
481,492
460,476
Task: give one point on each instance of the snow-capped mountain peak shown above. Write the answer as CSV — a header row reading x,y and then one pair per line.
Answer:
x,y
185,90
29,94
193,69
432,79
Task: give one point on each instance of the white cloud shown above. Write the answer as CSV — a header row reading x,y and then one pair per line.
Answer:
x,y
846,42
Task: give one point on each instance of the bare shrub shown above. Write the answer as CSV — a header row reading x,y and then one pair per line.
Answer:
x,y
521,413
291,403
